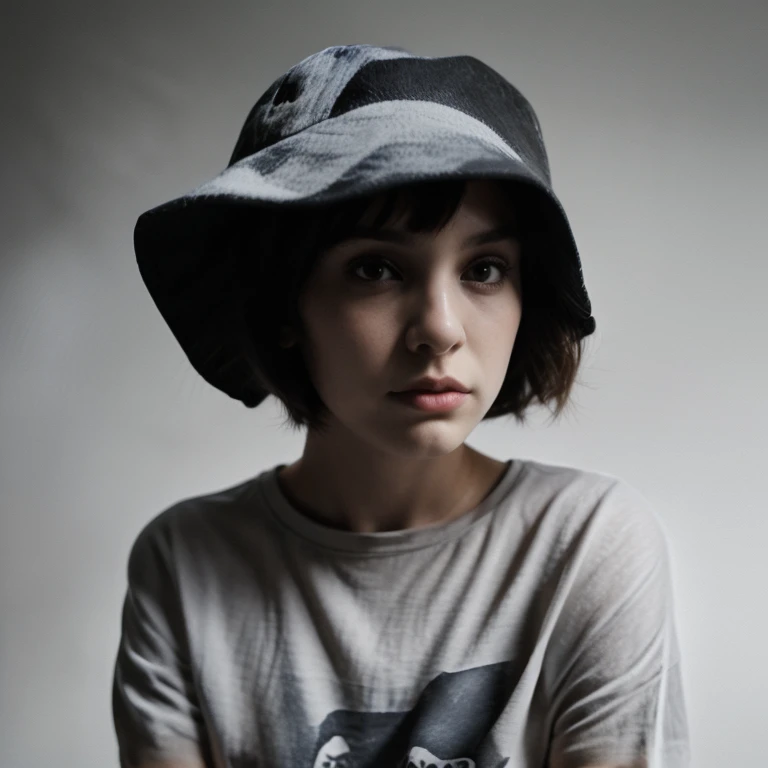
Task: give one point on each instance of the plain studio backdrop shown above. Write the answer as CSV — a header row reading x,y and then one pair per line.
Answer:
x,y
655,117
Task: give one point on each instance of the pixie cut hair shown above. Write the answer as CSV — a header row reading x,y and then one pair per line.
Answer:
x,y
276,248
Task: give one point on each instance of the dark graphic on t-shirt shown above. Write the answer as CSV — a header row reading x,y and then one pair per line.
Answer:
x,y
447,728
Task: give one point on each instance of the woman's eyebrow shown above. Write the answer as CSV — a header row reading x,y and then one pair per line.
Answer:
x,y
505,232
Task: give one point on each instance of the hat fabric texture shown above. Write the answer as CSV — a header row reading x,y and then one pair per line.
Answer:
x,y
343,122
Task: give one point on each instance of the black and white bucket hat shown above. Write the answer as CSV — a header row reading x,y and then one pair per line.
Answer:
x,y
347,121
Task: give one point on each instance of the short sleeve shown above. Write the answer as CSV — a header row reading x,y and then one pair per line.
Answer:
x,y
155,710
613,668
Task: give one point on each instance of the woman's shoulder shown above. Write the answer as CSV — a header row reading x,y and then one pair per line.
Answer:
x,y
194,524
580,502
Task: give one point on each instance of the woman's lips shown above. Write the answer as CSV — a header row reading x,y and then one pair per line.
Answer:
x,y
435,402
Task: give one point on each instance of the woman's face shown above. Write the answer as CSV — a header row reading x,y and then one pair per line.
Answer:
x,y
383,310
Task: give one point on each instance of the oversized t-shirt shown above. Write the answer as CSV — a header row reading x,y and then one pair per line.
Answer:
x,y
536,630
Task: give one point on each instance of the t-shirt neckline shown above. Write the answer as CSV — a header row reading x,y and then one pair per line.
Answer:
x,y
384,542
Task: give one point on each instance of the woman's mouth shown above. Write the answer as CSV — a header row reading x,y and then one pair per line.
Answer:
x,y
425,400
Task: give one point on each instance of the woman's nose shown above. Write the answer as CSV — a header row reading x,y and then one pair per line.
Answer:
x,y
434,319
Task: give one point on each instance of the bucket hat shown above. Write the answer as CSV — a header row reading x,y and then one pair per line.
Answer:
x,y
346,121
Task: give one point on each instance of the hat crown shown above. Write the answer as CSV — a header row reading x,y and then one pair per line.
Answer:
x,y
305,94
342,78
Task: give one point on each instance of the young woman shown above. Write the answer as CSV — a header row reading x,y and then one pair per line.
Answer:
x,y
385,255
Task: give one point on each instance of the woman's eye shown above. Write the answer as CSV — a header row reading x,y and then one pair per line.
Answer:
x,y
481,270
370,271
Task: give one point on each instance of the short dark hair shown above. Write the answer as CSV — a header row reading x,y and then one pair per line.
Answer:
x,y
277,247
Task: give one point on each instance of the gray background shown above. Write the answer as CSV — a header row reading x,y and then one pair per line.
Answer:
x,y
655,117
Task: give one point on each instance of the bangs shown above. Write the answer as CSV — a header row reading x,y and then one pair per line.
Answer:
x,y
420,208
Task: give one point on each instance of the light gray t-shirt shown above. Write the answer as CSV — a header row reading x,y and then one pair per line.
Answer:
x,y
536,630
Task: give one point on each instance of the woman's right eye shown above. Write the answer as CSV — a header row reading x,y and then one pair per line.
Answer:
x,y
370,270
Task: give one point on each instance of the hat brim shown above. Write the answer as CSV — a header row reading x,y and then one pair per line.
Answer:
x,y
373,148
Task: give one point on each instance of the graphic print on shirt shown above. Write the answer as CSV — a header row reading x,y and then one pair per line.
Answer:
x,y
447,728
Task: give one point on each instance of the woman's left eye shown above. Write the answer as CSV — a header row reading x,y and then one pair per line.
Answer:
x,y
485,265
481,270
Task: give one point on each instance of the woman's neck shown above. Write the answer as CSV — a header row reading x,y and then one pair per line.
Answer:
x,y
346,488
